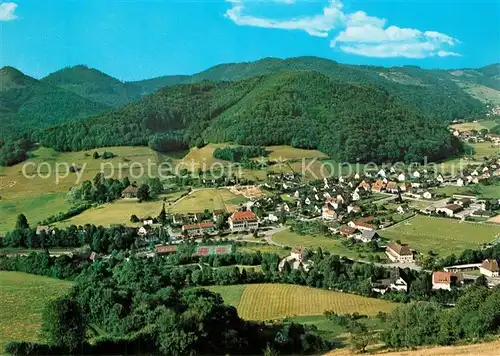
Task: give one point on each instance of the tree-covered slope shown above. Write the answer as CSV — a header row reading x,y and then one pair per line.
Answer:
x,y
27,104
94,85
302,108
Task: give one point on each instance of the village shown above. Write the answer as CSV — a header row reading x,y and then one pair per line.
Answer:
x,y
360,211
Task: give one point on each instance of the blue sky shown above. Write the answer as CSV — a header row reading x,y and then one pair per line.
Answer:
x,y
141,39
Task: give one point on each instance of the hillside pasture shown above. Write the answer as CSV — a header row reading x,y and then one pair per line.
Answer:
x,y
441,235
277,301
24,297
118,212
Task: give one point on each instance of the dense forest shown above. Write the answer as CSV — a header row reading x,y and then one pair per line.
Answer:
x,y
434,93
303,109
27,104
278,104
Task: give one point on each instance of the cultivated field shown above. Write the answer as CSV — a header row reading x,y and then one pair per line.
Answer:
x,y
276,301
23,298
441,235
210,199
484,349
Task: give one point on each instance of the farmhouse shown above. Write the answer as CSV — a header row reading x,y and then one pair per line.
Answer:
x,y
199,229
243,221
445,280
399,253
130,192
362,223
489,268
450,209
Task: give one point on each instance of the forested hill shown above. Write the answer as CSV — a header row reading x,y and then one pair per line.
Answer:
x,y
302,108
27,104
95,85
444,95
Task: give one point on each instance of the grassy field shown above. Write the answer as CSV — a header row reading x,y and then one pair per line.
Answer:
x,y
118,212
36,208
280,251
469,126
330,244
485,149
23,297
443,236
276,301
210,199
481,190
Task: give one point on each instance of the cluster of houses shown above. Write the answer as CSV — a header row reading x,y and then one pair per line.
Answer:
x,y
239,221
475,136
456,276
462,206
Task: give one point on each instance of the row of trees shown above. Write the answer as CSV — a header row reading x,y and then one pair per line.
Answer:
x,y
239,153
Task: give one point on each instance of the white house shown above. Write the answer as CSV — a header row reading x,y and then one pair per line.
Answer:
x,y
460,182
355,196
399,253
401,177
427,195
489,268
445,280
450,210
416,174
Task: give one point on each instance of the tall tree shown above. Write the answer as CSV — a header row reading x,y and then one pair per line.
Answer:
x,y
63,324
22,222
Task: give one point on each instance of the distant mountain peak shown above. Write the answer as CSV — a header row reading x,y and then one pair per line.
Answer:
x,y
11,78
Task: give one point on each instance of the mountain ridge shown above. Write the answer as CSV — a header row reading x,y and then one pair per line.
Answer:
x,y
305,109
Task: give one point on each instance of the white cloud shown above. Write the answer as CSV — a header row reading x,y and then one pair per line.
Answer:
x,y
318,25
362,34
373,41
7,10
360,18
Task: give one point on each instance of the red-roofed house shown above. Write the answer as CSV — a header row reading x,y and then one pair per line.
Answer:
x,y
199,229
362,223
489,268
243,221
445,280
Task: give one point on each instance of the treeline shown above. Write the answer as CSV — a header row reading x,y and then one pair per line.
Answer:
x,y
14,151
239,153
468,256
98,238
475,316
302,109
